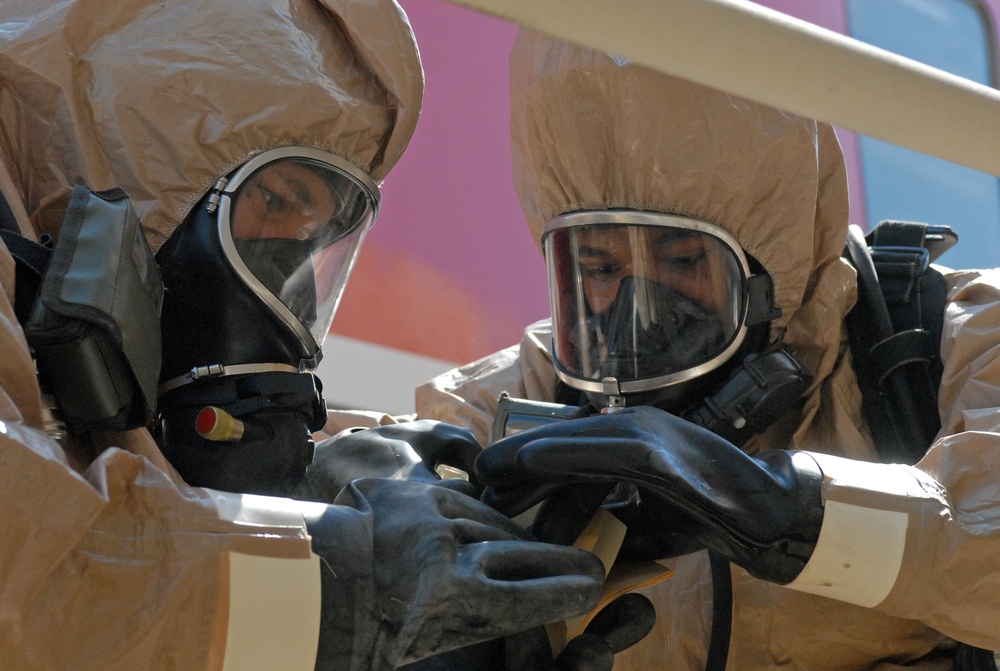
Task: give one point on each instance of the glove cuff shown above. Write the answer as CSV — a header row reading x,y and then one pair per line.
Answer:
x,y
350,619
861,545
809,490
789,526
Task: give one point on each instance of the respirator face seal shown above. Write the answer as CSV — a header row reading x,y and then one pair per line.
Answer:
x,y
642,301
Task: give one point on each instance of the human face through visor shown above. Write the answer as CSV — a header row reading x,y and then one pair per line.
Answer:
x,y
642,300
291,222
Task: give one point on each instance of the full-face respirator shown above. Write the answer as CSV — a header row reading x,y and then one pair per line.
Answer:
x,y
658,309
252,281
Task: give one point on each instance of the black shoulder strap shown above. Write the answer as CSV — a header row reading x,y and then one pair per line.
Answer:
x,y
30,257
895,335
7,219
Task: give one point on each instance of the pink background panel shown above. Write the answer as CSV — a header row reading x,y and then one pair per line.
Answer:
x,y
450,271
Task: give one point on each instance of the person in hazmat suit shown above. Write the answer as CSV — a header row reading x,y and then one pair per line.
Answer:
x,y
688,233
110,560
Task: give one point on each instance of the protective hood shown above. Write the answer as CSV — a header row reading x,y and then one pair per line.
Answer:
x,y
594,132
163,99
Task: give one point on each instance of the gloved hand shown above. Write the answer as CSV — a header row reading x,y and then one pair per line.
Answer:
x,y
620,625
408,451
406,573
566,510
762,513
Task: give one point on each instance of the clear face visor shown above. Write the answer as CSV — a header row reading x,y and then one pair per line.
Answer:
x,y
291,222
644,299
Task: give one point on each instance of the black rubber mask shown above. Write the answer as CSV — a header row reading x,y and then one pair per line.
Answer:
x,y
670,332
282,267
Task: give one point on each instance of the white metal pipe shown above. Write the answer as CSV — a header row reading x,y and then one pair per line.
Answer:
x,y
767,56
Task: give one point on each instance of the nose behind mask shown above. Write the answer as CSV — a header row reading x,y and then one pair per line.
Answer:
x,y
275,262
666,332
209,314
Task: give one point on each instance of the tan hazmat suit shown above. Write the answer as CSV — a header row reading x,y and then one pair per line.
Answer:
x,y
908,556
107,560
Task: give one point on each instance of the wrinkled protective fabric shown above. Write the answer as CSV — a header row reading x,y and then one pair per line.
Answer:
x,y
629,137
118,566
162,99
341,420
108,561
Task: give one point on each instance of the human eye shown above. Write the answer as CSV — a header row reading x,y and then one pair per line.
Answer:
x,y
272,201
602,271
686,262
681,254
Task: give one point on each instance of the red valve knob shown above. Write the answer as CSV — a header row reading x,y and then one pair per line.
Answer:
x,y
216,424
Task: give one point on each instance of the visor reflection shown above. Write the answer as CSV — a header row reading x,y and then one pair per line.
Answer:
x,y
297,225
298,200
634,301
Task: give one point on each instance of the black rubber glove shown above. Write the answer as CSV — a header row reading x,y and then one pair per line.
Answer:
x,y
620,625
762,513
409,451
407,572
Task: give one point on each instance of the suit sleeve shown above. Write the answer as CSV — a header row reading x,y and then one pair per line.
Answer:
x,y
119,565
923,542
